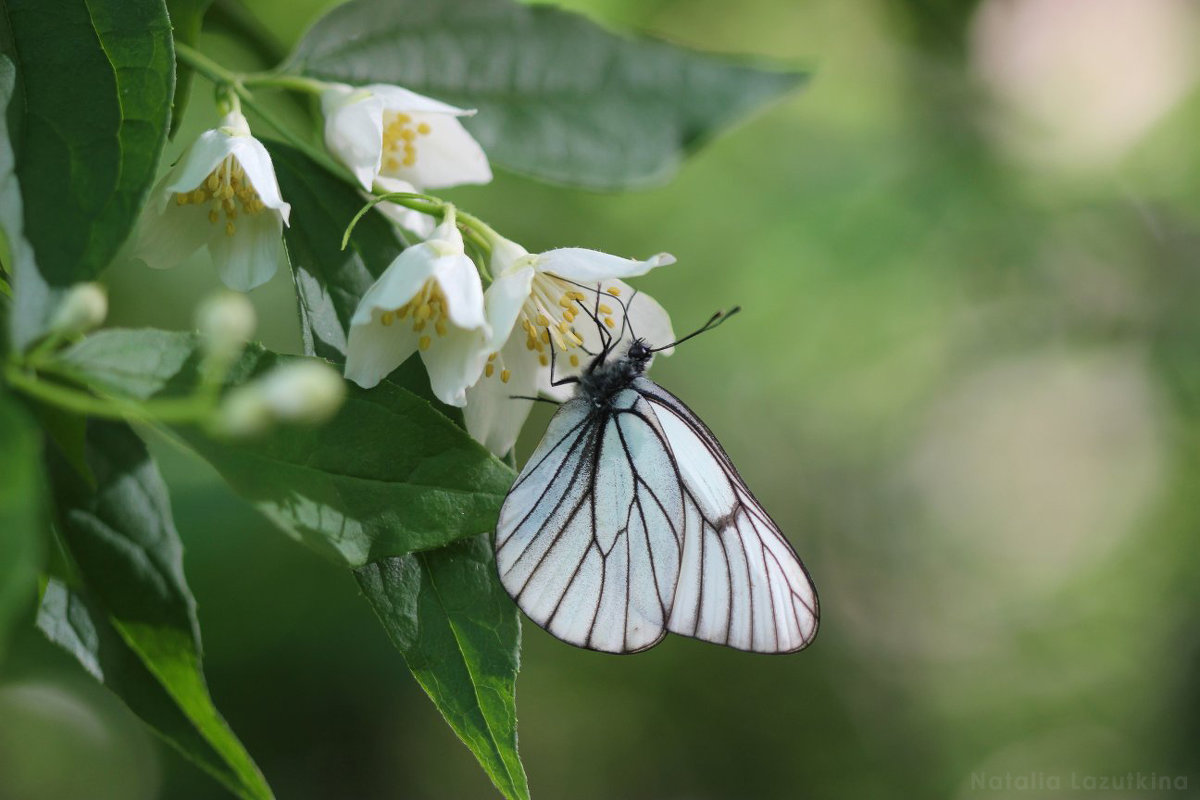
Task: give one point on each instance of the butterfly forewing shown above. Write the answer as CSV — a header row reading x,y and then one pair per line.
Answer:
x,y
629,520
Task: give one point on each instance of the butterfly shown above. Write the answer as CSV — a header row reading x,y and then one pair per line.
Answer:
x,y
630,521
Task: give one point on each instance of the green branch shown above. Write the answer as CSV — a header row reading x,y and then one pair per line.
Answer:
x,y
173,410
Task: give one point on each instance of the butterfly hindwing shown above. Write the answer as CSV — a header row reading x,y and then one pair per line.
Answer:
x,y
741,583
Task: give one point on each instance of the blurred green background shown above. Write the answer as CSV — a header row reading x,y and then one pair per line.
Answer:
x,y
966,384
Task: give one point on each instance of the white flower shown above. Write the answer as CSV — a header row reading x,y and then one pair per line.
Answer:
x,y
552,297
399,139
83,308
302,391
226,321
222,193
429,300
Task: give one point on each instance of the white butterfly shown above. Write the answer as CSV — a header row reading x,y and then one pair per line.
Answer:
x,y
629,520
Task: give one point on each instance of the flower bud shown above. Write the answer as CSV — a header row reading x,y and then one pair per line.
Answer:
x,y
226,322
303,391
83,308
243,412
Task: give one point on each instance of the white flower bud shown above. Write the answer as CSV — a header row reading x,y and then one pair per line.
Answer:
x,y
303,391
226,322
243,412
83,308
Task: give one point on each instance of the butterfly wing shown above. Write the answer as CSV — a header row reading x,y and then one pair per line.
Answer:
x,y
590,536
740,582
629,521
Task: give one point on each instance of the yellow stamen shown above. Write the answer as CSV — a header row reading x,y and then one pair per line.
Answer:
x,y
614,291
504,375
229,228
492,357
424,342
440,327
489,370
387,317
543,360
423,128
545,336
213,216
603,309
574,360
609,322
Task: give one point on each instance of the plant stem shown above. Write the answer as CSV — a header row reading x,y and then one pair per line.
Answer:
x,y
175,410
478,231
205,65
282,80
221,76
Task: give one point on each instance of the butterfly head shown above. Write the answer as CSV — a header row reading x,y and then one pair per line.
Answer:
x,y
639,355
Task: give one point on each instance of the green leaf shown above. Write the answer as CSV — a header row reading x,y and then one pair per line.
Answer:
x,y
388,475
98,77
460,634
136,363
329,281
33,299
21,523
137,631
559,97
186,19
66,431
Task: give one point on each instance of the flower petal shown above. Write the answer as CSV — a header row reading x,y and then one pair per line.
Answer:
x,y
493,415
505,254
256,161
503,300
398,284
446,156
251,256
209,150
165,240
454,362
647,319
373,349
459,280
397,98
354,130
589,266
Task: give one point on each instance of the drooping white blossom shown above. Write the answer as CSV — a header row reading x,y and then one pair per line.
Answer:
x,y
221,194
429,300
384,133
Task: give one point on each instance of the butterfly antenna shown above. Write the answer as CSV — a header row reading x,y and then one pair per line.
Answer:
x,y
714,321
